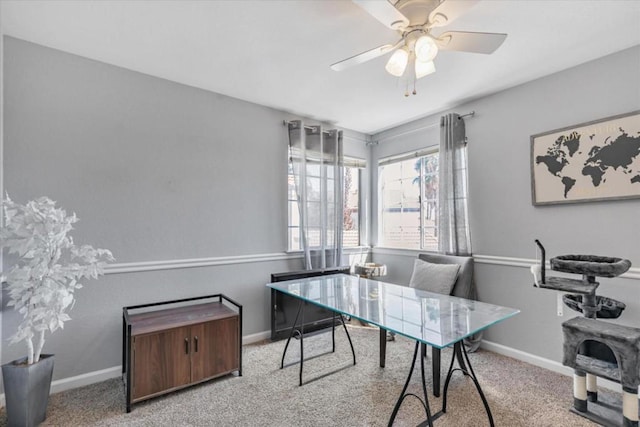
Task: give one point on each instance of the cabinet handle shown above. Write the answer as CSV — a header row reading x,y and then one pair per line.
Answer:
x,y
186,345
195,339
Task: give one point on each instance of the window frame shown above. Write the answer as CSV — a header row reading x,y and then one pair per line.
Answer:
x,y
348,161
422,201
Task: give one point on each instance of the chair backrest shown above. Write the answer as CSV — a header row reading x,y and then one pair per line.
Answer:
x,y
464,286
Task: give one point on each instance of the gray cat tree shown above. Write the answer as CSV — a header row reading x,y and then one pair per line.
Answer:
x,y
595,348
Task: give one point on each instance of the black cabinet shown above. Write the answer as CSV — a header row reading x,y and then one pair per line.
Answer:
x,y
285,307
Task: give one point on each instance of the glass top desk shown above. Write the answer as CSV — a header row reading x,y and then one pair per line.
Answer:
x,y
430,318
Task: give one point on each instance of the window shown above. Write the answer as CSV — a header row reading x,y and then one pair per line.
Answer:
x,y
351,210
409,201
351,206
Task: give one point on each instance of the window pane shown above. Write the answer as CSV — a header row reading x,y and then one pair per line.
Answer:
x,y
392,194
331,218
313,169
294,239
313,214
351,219
291,188
294,214
330,171
313,188
329,237
430,241
393,170
331,190
319,205
406,221
401,229
313,237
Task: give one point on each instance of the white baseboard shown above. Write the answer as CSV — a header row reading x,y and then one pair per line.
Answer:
x,y
85,379
80,380
116,371
551,365
254,338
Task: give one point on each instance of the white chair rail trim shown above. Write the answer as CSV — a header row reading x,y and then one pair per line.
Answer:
x,y
136,267
633,273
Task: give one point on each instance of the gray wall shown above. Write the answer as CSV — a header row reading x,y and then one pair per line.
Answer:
x,y
153,169
156,171
503,220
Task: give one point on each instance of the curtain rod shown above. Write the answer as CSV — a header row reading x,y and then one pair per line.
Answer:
x,y
286,123
470,114
369,143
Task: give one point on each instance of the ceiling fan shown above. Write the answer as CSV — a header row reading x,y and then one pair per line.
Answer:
x,y
414,20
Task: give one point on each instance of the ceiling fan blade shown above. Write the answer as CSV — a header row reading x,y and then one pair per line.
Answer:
x,y
384,12
448,11
365,56
470,42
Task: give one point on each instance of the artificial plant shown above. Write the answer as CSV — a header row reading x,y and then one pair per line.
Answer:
x,y
46,268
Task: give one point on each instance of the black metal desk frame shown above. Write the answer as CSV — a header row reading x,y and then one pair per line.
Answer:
x,y
299,331
459,354
459,351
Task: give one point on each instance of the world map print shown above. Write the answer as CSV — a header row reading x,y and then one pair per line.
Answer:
x,y
595,161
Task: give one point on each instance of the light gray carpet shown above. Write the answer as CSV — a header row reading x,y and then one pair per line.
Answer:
x,y
363,395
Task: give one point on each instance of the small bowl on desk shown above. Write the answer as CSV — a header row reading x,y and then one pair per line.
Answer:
x,y
370,269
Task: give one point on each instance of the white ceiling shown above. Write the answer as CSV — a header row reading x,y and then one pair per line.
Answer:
x,y
277,53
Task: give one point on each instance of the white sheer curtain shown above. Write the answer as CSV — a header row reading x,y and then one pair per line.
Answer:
x,y
453,197
453,217
316,159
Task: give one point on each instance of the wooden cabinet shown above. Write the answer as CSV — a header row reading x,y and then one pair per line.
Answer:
x,y
159,363
167,348
212,353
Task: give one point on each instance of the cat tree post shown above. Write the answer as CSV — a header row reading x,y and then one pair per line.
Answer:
x,y
595,348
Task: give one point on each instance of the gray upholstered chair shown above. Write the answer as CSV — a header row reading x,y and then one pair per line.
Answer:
x,y
463,287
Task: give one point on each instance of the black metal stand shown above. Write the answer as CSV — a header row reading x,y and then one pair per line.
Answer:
x,y
300,333
404,394
459,351
468,371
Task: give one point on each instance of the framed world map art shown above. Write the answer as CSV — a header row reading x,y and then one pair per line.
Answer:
x,y
592,161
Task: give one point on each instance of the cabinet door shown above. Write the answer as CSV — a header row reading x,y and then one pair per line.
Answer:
x,y
161,361
215,348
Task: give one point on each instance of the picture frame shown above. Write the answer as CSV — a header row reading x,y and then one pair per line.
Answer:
x,y
587,162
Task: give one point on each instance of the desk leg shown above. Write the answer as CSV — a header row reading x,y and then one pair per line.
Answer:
x,y
346,331
435,369
333,333
293,331
459,350
300,332
383,347
404,393
301,342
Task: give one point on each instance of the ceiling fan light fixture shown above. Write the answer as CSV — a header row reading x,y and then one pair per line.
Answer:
x,y
426,48
398,62
424,68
